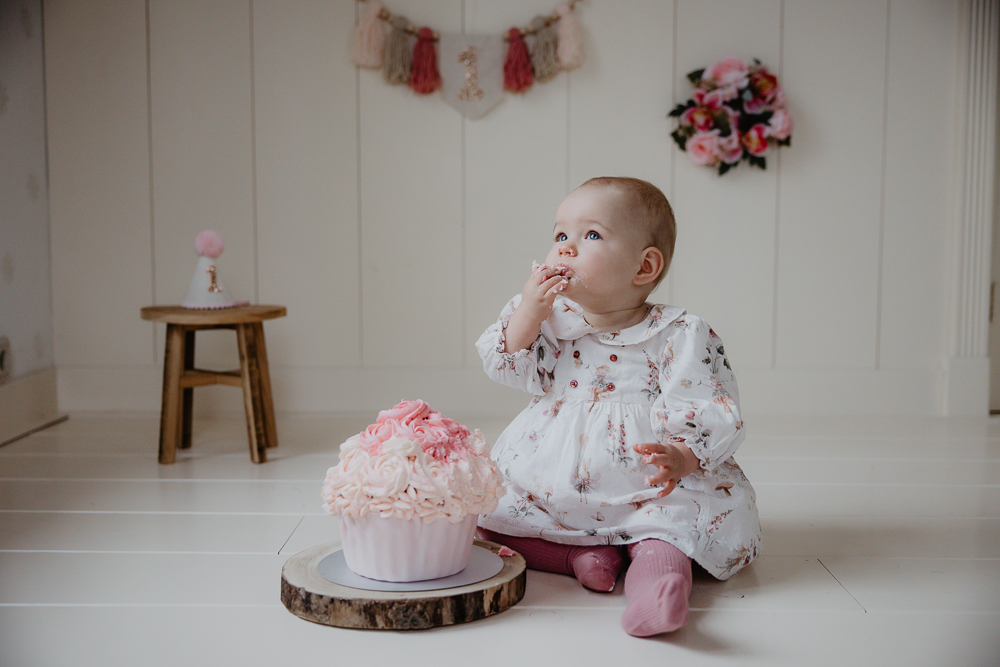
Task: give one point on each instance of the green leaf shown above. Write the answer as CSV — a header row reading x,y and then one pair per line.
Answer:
x,y
787,141
680,138
695,76
681,108
724,167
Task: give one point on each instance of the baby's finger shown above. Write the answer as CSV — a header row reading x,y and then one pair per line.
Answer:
x,y
664,461
554,285
667,489
660,477
649,448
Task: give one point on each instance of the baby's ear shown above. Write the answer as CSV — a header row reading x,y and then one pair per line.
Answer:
x,y
650,267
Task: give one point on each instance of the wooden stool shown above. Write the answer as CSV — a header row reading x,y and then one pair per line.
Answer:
x,y
180,377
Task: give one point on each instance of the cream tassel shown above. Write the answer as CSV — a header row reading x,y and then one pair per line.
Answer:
x,y
570,38
369,37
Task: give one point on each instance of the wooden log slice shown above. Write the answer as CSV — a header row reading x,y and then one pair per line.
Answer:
x,y
309,595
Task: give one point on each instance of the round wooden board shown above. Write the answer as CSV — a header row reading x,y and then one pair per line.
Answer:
x,y
309,595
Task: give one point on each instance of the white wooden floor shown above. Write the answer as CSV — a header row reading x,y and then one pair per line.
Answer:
x,y
881,547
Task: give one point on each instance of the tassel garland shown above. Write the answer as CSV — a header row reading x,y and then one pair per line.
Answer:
x,y
569,37
397,53
424,75
543,51
517,74
369,38
408,54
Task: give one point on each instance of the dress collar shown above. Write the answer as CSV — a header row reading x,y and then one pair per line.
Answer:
x,y
568,323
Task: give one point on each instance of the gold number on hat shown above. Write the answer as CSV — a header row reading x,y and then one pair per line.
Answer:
x,y
213,286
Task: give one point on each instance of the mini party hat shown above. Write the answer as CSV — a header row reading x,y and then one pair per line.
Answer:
x,y
205,289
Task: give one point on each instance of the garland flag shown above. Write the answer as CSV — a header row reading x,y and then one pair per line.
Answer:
x,y
471,71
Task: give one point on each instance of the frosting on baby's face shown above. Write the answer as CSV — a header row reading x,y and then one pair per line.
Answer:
x,y
572,278
414,462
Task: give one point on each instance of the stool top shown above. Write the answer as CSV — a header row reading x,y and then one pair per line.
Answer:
x,y
238,315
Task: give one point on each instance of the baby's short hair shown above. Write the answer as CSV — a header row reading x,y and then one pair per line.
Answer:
x,y
650,208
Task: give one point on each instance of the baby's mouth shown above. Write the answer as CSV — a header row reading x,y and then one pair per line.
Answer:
x,y
560,269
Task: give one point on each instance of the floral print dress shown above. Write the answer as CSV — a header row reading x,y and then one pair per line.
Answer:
x,y
572,475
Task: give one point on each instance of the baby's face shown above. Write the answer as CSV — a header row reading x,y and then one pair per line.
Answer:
x,y
592,241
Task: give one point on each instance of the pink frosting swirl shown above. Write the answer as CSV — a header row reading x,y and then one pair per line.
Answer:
x,y
414,463
415,420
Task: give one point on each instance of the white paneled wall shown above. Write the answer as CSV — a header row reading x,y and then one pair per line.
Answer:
x,y
394,230
25,290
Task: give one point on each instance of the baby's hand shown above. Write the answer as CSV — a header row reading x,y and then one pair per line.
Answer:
x,y
674,459
537,298
539,293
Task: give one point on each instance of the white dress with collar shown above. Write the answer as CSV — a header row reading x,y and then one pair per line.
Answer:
x,y
572,475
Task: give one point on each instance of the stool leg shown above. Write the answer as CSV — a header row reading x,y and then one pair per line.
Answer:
x,y
187,409
252,400
170,411
267,398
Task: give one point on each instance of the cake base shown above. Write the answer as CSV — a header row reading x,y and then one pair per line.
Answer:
x,y
309,595
482,565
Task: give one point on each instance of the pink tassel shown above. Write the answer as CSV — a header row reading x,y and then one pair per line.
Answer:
x,y
569,37
517,74
369,37
424,75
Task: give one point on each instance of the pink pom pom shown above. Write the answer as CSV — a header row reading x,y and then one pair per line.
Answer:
x,y
208,244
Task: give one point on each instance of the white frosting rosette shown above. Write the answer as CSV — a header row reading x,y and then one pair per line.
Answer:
x,y
403,481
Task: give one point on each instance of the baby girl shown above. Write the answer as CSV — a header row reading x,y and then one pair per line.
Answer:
x,y
624,455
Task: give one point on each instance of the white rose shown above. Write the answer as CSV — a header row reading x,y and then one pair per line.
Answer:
x,y
387,477
478,444
401,447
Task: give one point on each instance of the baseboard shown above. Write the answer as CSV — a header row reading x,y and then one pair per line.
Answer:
x,y
27,404
469,391
966,386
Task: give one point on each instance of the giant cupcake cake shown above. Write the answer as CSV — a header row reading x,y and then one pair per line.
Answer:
x,y
408,491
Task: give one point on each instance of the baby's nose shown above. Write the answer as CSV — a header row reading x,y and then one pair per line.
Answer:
x,y
566,250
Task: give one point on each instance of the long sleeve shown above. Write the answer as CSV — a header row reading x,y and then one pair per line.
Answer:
x,y
529,369
699,399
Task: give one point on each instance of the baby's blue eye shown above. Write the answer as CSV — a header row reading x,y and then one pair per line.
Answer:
x,y
560,237
593,236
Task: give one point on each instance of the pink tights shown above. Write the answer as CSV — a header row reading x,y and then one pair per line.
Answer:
x,y
657,582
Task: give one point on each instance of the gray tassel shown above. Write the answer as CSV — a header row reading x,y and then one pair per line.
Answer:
x,y
543,50
398,52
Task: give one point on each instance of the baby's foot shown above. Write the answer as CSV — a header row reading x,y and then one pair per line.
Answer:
x,y
663,607
597,568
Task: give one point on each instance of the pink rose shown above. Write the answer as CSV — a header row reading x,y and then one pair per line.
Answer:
x,y
780,125
731,148
764,85
712,99
727,71
755,140
698,117
753,105
702,147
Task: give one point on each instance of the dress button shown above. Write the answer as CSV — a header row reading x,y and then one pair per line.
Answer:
x,y
614,357
573,383
576,354
611,386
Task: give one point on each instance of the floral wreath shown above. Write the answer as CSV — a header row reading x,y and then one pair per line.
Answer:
x,y
736,112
